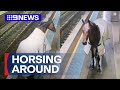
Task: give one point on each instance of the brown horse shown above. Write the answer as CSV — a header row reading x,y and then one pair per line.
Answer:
x,y
91,35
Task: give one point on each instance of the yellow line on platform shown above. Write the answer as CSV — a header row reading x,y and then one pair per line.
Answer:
x,y
68,64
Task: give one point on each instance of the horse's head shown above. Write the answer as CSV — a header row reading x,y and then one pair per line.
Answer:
x,y
48,25
52,27
85,29
90,30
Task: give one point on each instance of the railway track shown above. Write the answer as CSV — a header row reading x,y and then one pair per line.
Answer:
x,y
9,37
9,25
63,12
2,21
62,26
65,17
68,27
2,26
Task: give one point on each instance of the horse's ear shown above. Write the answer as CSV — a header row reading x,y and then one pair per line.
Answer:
x,y
83,21
89,21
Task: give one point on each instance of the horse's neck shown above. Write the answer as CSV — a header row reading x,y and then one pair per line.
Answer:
x,y
43,29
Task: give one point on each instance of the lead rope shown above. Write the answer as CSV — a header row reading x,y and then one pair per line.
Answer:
x,y
44,46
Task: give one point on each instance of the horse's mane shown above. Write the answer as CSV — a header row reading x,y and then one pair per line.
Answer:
x,y
94,34
45,24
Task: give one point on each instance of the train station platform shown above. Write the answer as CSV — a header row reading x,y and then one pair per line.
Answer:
x,y
78,63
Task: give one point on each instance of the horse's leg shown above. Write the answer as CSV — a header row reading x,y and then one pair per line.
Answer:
x,y
92,64
98,61
98,64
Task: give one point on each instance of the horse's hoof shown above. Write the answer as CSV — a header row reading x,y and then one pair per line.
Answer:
x,y
99,70
91,67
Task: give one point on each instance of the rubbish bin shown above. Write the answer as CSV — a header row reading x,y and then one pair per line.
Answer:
x,y
115,16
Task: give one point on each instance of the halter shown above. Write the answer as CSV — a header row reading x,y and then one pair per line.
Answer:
x,y
44,46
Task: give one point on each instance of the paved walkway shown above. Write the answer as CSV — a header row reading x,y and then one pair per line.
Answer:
x,y
116,43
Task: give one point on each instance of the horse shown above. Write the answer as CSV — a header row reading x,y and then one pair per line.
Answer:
x,y
36,42
94,36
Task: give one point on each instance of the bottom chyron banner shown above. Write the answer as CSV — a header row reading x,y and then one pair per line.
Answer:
x,y
31,63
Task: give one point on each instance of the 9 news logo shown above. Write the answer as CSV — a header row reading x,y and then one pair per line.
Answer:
x,y
23,17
